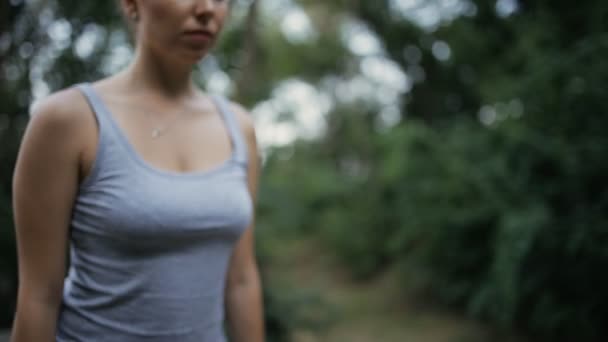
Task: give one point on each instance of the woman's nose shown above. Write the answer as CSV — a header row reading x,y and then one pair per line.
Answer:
x,y
204,9
204,5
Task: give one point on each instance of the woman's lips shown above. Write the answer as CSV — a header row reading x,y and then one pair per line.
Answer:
x,y
198,37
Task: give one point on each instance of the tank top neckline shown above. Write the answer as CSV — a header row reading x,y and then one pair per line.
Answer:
x,y
103,110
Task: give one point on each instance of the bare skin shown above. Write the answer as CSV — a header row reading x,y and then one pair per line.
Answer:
x,y
60,143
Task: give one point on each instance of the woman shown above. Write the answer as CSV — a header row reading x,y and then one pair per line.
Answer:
x,y
151,185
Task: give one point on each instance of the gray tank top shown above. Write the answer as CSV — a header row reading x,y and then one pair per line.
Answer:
x,y
149,247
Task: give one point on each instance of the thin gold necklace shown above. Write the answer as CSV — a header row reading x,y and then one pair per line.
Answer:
x,y
160,130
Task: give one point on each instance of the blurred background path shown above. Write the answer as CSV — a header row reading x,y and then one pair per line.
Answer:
x,y
374,310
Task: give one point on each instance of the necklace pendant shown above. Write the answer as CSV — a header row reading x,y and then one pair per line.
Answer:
x,y
155,133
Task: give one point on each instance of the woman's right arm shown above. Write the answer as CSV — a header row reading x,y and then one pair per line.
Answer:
x,y
45,182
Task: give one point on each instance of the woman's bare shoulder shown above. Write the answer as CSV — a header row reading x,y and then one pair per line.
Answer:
x,y
61,116
63,107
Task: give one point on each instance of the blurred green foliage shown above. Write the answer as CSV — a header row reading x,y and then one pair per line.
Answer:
x,y
506,219
489,192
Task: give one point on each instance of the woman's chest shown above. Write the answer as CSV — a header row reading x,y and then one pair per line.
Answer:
x,y
158,208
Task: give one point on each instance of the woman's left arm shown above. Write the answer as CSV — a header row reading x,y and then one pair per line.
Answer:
x,y
244,306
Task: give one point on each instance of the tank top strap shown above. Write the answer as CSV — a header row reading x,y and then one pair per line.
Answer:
x,y
234,130
96,105
104,126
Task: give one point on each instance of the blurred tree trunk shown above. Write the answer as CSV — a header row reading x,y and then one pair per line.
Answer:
x,y
4,11
7,13
247,74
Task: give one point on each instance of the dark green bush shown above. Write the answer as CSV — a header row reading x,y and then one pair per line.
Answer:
x,y
508,221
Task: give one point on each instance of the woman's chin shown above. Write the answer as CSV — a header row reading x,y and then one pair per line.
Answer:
x,y
190,58
195,55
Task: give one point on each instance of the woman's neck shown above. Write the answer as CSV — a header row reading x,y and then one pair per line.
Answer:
x,y
152,75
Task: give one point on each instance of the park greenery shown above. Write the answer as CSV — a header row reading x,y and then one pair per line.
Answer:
x,y
461,142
